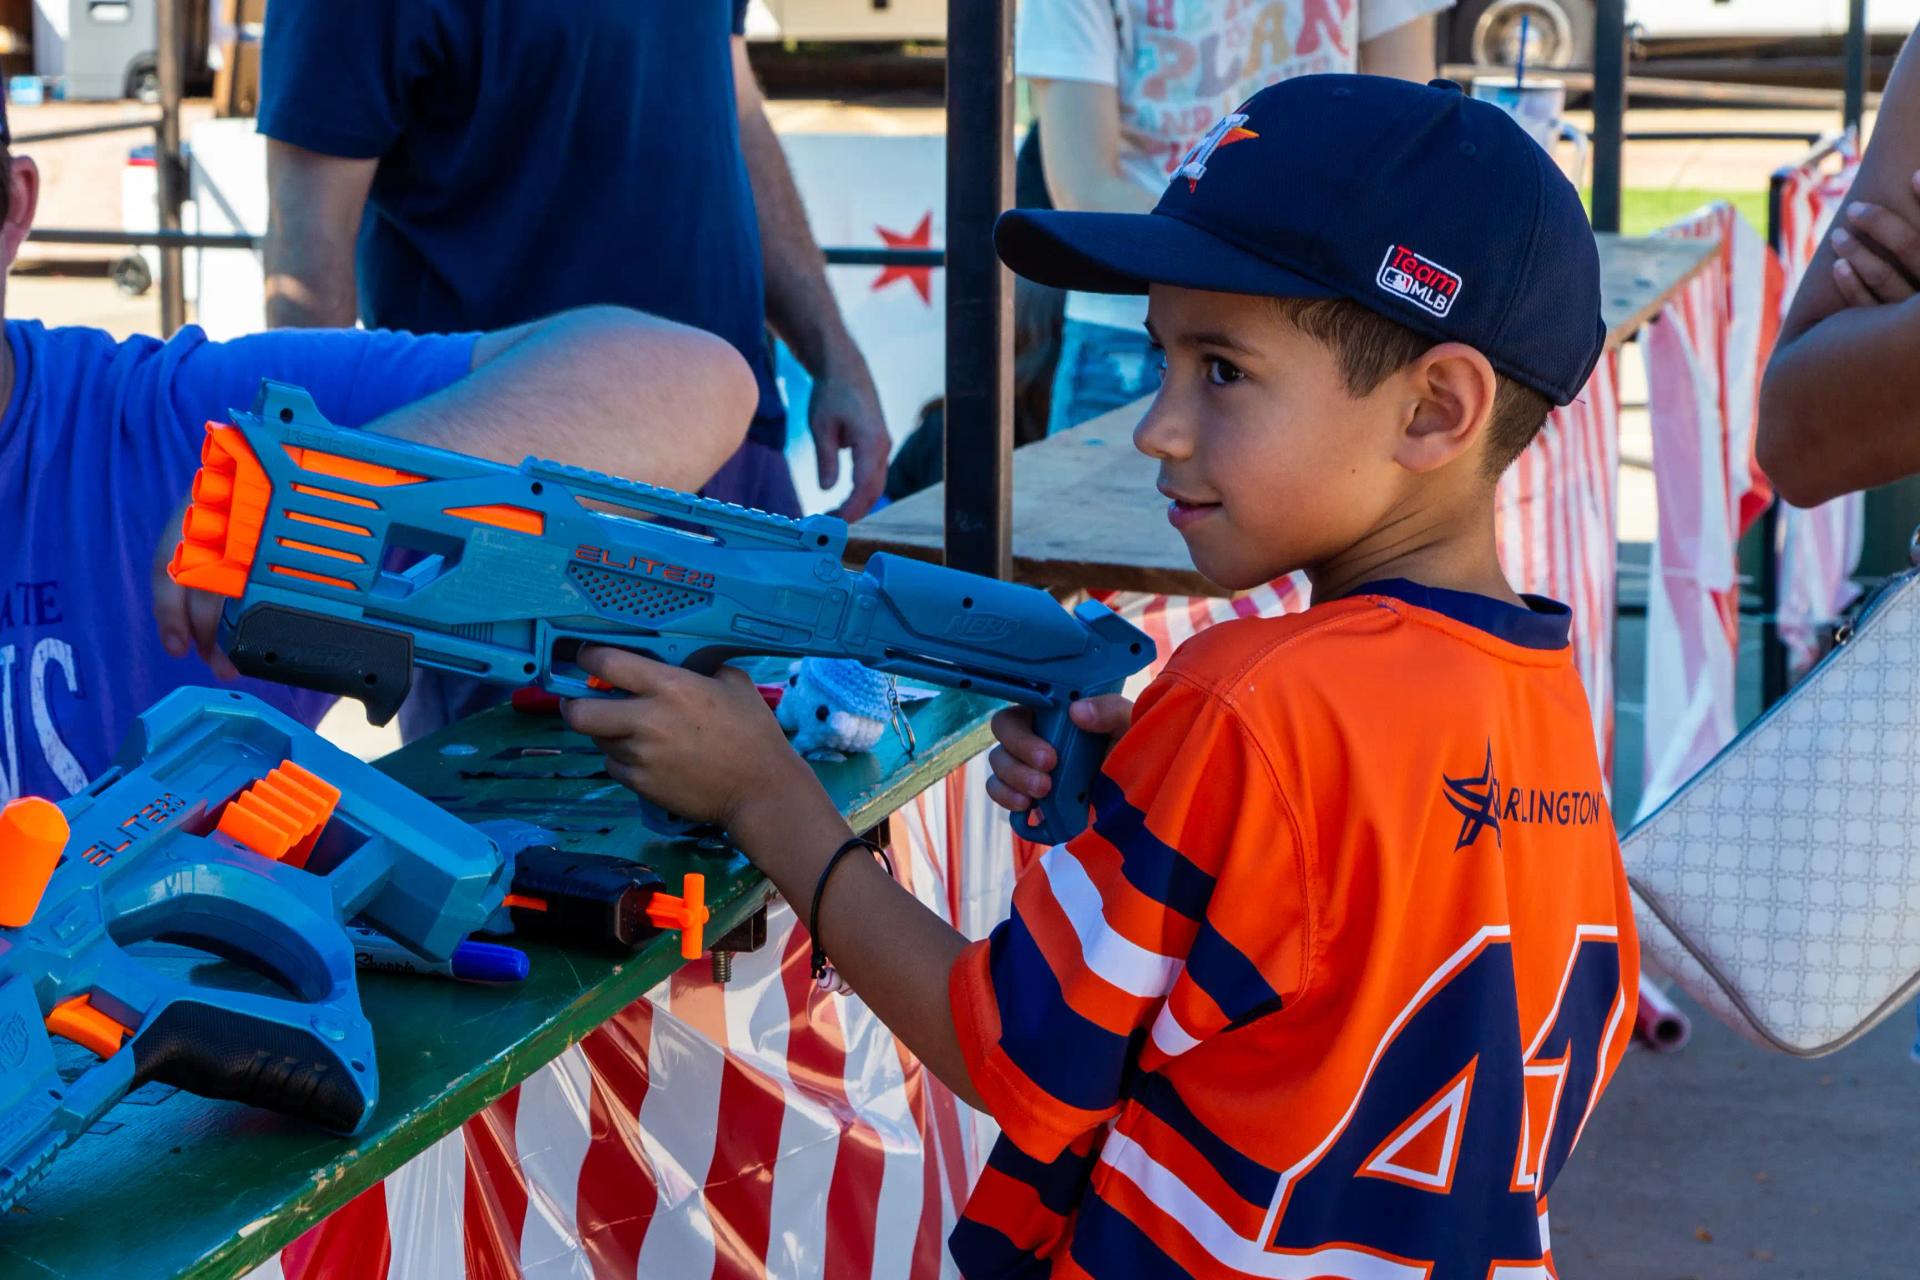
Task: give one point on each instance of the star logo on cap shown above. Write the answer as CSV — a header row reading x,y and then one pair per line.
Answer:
x,y
1225,132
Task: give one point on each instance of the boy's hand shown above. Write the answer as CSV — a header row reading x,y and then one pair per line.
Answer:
x,y
702,746
1023,760
189,621
1877,251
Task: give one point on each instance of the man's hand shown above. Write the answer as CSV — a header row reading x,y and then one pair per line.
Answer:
x,y
844,413
189,621
1024,760
704,747
1877,250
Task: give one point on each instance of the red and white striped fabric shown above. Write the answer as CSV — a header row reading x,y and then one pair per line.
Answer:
x,y
1819,547
1704,363
1556,519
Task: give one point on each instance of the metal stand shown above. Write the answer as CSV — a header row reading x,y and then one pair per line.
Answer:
x,y
172,171
1609,110
1856,101
979,408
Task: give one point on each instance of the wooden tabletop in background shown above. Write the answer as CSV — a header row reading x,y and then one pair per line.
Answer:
x,y
1085,511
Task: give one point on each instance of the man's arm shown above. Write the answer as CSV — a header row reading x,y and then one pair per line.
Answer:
x,y
844,412
1406,52
313,221
1837,406
600,387
1080,148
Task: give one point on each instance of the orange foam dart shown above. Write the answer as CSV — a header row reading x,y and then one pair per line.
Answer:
x,y
282,815
33,834
687,913
77,1020
221,531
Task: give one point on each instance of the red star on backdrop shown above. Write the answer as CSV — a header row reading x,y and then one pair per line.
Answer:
x,y
921,237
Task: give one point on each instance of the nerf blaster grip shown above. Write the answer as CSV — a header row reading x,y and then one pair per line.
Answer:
x,y
350,558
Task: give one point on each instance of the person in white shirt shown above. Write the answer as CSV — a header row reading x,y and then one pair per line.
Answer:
x,y
1123,89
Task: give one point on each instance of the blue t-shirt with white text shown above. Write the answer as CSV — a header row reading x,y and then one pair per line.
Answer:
x,y
98,447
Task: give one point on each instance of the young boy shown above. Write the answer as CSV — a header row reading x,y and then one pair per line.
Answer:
x,y
1332,982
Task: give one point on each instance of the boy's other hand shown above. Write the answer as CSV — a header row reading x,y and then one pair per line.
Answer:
x,y
701,746
1877,251
1024,760
189,621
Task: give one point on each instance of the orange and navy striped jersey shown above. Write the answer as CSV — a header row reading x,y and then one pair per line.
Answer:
x,y
1332,982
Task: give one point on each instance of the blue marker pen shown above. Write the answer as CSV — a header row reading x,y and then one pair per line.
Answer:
x,y
470,962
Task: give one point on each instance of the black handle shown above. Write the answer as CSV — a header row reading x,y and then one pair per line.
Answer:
x,y
596,904
324,653
218,1053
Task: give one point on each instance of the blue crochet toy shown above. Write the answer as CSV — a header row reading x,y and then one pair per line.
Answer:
x,y
834,707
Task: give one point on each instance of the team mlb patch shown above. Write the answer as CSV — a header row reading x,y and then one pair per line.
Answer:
x,y
1421,281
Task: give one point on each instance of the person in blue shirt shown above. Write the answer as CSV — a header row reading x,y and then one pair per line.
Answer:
x,y
99,440
494,161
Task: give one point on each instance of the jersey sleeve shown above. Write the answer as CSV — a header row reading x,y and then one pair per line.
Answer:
x,y
354,375
336,76
1180,912
1067,40
1378,17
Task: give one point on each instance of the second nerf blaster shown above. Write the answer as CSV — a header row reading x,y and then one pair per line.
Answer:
x,y
225,826
351,557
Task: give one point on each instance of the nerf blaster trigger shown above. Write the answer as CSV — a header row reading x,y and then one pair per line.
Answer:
x,y
225,827
350,558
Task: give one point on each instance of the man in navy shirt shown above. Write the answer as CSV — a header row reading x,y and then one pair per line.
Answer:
x,y
99,440
499,160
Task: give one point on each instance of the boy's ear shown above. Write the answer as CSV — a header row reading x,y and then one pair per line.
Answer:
x,y
1452,389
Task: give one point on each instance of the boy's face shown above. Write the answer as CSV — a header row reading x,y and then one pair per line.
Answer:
x,y
1269,463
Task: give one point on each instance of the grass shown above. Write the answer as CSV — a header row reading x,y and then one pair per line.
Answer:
x,y
1644,211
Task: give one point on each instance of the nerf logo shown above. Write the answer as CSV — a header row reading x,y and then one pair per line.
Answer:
x,y
1421,281
622,562
980,626
13,1041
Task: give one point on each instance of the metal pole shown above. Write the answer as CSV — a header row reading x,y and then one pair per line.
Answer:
x,y
979,408
1773,649
171,171
1609,110
1856,62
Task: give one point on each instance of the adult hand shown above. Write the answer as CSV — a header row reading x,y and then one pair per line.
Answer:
x,y
1023,762
844,413
1877,250
188,621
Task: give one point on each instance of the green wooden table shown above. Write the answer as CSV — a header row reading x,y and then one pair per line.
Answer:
x,y
171,1184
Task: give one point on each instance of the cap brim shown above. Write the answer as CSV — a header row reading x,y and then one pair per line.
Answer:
x,y
1126,252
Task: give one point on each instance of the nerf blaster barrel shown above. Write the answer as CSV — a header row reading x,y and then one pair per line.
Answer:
x,y
225,826
350,557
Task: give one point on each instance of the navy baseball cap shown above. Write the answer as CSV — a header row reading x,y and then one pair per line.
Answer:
x,y
1415,201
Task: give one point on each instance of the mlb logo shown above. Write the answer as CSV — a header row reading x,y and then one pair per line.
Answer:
x,y
1421,281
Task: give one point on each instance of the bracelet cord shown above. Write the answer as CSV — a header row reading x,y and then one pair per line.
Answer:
x,y
813,911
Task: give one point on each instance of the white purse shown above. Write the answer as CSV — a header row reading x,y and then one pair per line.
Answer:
x,y
1780,887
